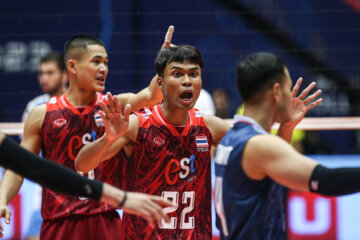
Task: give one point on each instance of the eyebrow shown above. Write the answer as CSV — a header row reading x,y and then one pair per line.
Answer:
x,y
175,67
100,56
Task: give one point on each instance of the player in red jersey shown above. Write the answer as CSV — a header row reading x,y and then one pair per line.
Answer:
x,y
61,127
171,146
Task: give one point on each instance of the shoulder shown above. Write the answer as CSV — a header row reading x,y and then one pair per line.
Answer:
x,y
124,98
217,126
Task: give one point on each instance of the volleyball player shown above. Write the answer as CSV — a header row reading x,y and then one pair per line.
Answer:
x,y
61,127
61,179
253,168
172,143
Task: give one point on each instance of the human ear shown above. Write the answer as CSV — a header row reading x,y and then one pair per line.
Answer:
x,y
71,66
160,82
276,91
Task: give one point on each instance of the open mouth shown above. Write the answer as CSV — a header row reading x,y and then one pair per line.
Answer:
x,y
186,96
101,79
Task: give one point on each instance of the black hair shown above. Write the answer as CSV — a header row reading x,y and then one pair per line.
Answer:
x,y
81,42
55,57
181,53
258,72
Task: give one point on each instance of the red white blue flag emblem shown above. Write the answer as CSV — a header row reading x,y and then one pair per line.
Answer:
x,y
201,142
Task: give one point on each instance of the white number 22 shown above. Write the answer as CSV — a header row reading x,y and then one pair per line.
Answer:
x,y
174,198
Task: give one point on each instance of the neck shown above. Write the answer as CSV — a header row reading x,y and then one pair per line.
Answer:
x,y
177,117
80,97
262,114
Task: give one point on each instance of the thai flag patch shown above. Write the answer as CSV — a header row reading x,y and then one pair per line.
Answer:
x,y
198,114
98,120
201,142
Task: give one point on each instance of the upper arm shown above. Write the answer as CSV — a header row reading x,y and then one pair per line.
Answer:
x,y
266,155
32,129
218,128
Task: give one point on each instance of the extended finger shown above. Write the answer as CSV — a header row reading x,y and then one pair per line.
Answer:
x,y
314,104
117,105
7,217
147,215
306,91
158,211
111,103
312,97
105,109
163,202
127,112
169,34
296,87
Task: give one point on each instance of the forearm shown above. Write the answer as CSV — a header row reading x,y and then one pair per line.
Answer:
x,y
45,172
285,131
335,182
10,184
91,155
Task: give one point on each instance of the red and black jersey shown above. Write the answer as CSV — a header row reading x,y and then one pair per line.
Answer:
x,y
175,166
66,129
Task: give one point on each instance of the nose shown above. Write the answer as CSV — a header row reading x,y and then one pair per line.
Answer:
x,y
103,68
186,81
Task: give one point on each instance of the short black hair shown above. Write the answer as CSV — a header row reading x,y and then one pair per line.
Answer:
x,y
258,72
55,57
81,42
181,53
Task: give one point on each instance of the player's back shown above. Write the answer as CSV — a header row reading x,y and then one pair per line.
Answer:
x,y
246,209
174,163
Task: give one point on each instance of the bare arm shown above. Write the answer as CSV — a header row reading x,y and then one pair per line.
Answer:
x,y
299,107
147,97
218,128
267,155
120,129
11,182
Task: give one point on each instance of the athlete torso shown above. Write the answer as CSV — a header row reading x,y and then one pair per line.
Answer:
x,y
175,166
246,209
65,130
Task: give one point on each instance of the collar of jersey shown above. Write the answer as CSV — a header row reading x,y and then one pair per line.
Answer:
x,y
171,127
250,121
75,110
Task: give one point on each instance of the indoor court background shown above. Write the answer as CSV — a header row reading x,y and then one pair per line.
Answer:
x,y
320,41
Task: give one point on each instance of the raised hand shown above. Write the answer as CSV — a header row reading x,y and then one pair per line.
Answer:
x,y
116,123
303,103
168,37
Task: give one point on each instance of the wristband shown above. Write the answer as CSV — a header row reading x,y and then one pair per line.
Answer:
x,y
123,201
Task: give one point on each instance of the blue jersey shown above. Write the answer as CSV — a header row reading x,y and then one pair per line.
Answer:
x,y
246,209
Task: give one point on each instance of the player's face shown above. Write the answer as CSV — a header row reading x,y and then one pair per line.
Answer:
x,y
286,97
92,69
181,84
50,78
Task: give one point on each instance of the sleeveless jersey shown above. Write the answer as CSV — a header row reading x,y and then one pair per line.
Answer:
x,y
65,131
175,166
246,209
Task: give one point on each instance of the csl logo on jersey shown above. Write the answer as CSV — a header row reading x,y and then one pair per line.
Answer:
x,y
76,142
60,122
176,169
202,143
98,120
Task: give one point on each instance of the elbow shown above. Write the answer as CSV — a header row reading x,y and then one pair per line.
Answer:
x,y
80,166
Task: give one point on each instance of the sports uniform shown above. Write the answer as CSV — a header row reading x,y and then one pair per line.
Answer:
x,y
246,209
175,165
64,131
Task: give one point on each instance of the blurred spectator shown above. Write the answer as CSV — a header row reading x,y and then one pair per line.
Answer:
x,y
221,101
205,103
